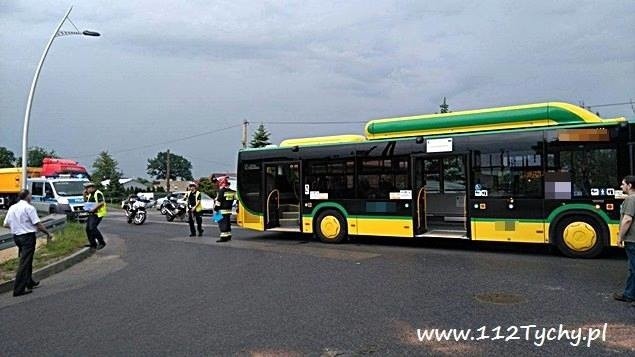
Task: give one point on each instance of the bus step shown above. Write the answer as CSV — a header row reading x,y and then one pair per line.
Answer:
x,y
291,215
289,222
284,229
289,208
444,233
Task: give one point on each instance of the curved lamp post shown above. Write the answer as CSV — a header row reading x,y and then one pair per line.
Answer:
x,y
27,114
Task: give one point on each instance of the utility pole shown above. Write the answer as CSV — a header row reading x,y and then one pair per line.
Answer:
x,y
168,172
244,141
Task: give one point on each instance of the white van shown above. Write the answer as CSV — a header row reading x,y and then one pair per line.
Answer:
x,y
58,195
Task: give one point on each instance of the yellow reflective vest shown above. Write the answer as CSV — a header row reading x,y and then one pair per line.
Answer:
x,y
98,197
199,205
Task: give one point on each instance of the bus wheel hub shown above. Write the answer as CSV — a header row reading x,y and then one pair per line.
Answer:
x,y
330,227
580,236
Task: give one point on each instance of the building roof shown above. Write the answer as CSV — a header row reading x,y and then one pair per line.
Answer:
x,y
122,181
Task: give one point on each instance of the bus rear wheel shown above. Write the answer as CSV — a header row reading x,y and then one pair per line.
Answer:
x,y
580,237
330,227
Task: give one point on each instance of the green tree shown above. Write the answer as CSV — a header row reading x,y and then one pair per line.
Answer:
x,y
445,108
7,157
180,167
260,138
35,156
107,168
206,185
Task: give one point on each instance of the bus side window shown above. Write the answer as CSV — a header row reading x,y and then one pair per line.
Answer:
x,y
363,187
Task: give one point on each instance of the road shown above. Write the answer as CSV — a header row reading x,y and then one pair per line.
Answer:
x,y
155,291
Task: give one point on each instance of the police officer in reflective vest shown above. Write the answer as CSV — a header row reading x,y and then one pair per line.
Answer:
x,y
96,208
224,203
194,209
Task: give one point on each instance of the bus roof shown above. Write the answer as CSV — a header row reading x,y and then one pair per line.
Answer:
x,y
471,122
322,140
512,117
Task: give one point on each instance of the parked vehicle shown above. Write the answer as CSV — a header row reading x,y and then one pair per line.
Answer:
x,y
58,195
149,196
175,208
234,212
146,197
135,209
161,202
10,181
208,204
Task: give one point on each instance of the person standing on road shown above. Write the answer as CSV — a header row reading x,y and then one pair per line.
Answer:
x,y
224,202
23,221
96,212
627,238
194,209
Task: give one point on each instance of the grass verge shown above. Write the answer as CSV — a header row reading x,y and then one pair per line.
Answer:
x,y
66,242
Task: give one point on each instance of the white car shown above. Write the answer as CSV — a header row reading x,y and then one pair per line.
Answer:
x,y
208,203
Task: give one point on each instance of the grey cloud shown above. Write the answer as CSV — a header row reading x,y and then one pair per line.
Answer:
x,y
172,67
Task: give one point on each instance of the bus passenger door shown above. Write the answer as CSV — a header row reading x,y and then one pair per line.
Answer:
x,y
419,196
282,204
439,196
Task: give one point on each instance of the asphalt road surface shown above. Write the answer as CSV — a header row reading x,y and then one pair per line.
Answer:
x,y
155,291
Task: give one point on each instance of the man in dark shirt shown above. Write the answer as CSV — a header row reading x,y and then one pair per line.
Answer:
x,y
194,209
627,238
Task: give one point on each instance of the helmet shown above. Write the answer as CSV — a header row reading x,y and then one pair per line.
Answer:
x,y
223,181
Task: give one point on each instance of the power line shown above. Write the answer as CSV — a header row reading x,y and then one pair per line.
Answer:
x,y
313,122
224,163
609,105
162,142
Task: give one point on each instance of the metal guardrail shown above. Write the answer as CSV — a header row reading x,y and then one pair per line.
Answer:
x,y
52,224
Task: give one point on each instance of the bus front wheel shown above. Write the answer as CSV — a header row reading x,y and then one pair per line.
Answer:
x,y
331,227
580,236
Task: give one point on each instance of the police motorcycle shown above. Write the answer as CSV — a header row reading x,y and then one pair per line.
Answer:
x,y
135,209
173,209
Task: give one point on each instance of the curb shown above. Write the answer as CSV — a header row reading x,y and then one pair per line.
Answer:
x,y
53,268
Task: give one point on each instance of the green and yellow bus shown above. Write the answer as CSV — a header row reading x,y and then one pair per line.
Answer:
x,y
539,173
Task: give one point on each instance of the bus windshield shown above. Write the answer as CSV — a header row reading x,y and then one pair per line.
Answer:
x,y
69,188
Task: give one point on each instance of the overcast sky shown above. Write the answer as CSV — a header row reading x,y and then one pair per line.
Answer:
x,y
165,70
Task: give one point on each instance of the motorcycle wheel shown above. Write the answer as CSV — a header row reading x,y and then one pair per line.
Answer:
x,y
139,218
164,211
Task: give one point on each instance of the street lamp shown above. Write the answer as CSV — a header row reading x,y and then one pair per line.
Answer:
x,y
27,114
